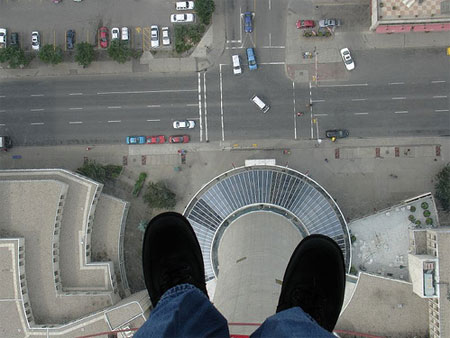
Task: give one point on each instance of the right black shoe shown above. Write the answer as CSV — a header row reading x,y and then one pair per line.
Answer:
x,y
171,255
315,280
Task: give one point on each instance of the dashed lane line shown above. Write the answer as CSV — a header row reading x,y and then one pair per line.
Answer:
x,y
359,99
399,98
75,108
37,109
401,112
37,123
115,107
440,110
153,106
153,120
75,122
438,81
395,83
37,95
148,91
440,97
115,121
345,85
361,113
75,94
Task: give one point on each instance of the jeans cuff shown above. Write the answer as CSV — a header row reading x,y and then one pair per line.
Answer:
x,y
176,291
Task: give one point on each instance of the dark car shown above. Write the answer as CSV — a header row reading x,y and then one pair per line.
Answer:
x,y
70,37
248,22
179,139
14,39
337,133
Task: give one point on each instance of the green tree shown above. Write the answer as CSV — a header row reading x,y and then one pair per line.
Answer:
x,y
50,54
84,54
119,51
204,9
187,35
98,172
158,195
443,187
14,56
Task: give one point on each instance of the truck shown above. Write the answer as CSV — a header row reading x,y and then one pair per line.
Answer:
x,y
5,143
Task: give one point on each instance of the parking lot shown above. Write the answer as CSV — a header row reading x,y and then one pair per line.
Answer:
x,y
52,20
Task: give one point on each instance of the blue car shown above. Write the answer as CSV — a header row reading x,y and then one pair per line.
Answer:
x,y
248,24
136,140
251,59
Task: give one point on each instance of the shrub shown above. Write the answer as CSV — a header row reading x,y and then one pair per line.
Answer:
x,y
429,221
443,187
84,54
158,195
186,36
204,10
139,184
353,270
418,222
412,209
353,238
427,213
327,33
51,54
381,4
119,51
412,218
424,205
98,172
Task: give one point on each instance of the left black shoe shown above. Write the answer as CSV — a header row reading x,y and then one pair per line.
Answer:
x,y
171,255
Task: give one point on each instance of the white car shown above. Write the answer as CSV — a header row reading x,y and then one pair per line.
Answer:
x,y
165,36
185,124
125,35
347,58
188,17
115,32
35,40
184,5
236,64
3,37
154,36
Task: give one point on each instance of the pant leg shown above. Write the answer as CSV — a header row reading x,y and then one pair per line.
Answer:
x,y
184,311
293,322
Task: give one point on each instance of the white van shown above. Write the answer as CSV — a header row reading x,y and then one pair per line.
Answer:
x,y
184,5
261,105
236,64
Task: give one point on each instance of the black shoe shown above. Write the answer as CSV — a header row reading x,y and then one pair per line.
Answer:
x,y
171,255
315,280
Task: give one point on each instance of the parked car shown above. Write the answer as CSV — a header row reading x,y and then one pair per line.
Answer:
x,y
35,40
136,140
305,24
347,58
115,33
125,36
179,139
236,64
160,139
185,124
3,37
251,59
337,133
177,18
184,5
103,37
56,1
165,36
70,38
14,39
329,23
248,22
154,36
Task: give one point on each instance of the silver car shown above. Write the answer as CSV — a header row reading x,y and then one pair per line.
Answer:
x,y
154,34
35,40
185,124
165,36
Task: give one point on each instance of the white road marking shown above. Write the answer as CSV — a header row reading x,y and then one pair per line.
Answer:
x,y
153,106
75,122
234,41
2,124
361,113
114,121
2,96
154,120
206,107
115,107
234,47
320,114
359,99
399,98
439,96
346,85
438,81
274,47
401,112
2,111
221,102
191,105
76,94
38,109
76,108
440,110
270,39
295,113
199,80
270,5
272,63
149,91
36,95
396,83
37,123
314,101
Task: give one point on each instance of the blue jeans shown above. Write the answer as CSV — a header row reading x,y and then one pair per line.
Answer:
x,y
184,311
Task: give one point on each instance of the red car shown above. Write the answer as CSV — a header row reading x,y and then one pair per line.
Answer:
x,y
103,37
305,24
160,139
179,139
